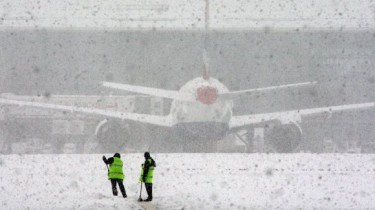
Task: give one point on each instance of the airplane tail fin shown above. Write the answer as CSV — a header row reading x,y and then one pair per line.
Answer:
x,y
206,73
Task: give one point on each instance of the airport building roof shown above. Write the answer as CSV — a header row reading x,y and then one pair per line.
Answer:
x,y
187,14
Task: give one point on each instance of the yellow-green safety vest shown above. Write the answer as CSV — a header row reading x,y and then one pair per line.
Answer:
x,y
115,169
150,173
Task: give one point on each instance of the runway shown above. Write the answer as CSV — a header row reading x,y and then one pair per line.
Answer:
x,y
192,181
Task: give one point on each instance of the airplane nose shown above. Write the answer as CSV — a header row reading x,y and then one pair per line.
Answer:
x,y
207,95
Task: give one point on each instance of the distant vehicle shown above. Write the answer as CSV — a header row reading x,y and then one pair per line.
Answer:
x,y
30,146
56,131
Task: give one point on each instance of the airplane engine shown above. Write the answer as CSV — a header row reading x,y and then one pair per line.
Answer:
x,y
110,136
283,138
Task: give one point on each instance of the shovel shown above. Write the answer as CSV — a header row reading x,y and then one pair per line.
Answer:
x,y
140,194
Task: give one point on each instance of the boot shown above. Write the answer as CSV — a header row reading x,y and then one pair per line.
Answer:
x,y
114,191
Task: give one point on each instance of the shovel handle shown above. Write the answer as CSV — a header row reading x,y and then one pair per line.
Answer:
x,y
140,192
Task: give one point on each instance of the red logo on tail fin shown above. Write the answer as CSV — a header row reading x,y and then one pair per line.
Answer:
x,y
207,95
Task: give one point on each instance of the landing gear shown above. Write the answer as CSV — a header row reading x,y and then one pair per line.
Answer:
x,y
200,137
196,146
164,141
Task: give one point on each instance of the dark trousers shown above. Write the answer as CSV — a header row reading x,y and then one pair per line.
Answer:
x,y
121,186
149,190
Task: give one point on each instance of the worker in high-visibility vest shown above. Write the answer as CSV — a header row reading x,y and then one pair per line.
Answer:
x,y
115,173
147,174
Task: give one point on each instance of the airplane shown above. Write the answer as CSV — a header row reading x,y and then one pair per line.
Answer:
x,y
202,113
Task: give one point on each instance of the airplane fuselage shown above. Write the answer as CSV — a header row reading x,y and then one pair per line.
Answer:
x,y
208,116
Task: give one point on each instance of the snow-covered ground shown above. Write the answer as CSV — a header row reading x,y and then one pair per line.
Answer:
x,y
192,181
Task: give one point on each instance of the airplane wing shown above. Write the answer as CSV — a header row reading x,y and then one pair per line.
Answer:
x,y
234,94
292,115
165,121
172,94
